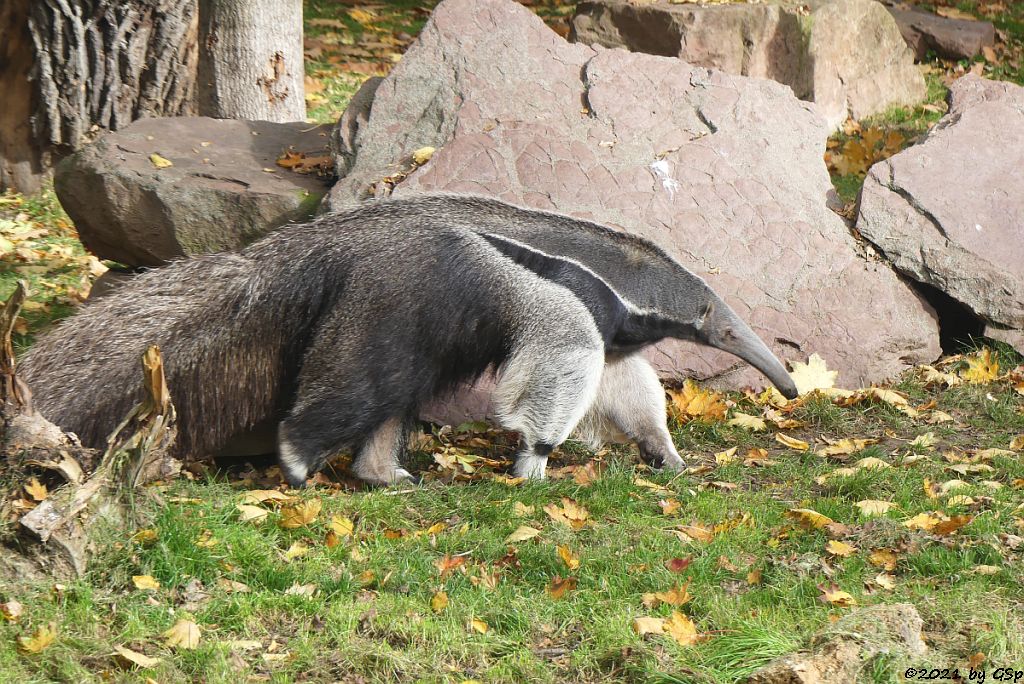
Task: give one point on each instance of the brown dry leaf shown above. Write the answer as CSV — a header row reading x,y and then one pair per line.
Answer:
x,y
982,367
571,561
976,660
932,376
589,473
250,513
653,486
808,518
854,159
871,463
301,590
159,162
439,602
923,521
678,564
813,375
927,440
301,514
757,457
229,586
838,548
754,577
136,658
677,596
946,527
669,506
792,442
522,533
885,580
257,496
570,514
726,457
478,625
883,558
870,508
36,489
698,532
559,587
41,639
1017,443
936,417
681,629
183,634
748,422
693,402
145,582
448,564
522,509
648,625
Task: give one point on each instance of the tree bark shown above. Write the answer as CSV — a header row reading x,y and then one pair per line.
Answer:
x,y
250,64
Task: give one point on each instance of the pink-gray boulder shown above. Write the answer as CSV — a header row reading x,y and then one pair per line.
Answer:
x,y
949,211
847,56
948,37
724,172
222,189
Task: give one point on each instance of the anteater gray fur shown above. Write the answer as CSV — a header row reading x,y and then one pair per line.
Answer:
x,y
343,328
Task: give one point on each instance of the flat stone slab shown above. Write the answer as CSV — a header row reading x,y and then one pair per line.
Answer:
x,y
948,37
847,56
724,172
222,191
949,211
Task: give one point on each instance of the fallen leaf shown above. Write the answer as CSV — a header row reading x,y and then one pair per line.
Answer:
x,y
342,526
648,625
883,558
439,602
792,442
757,457
982,367
257,496
136,658
676,596
946,527
36,489
559,587
422,155
748,422
522,533
229,586
11,610
681,629
678,564
448,564
301,514
808,518
986,569
837,597
871,463
885,580
838,548
697,532
183,634
250,513
300,590
41,639
571,561
845,446
478,625
570,514
522,509
923,521
694,402
144,582
925,441
1017,443
296,550
812,375
669,506
870,508
159,162
726,457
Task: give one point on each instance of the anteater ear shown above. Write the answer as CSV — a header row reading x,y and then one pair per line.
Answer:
x,y
705,311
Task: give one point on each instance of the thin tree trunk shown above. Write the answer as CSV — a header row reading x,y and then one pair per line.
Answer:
x,y
250,63
105,63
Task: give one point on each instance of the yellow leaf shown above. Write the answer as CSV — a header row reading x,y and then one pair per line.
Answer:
x,y
36,489
296,550
931,376
422,155
669,506
522,533
808,518
926,441
342,526
813,375
837,597
838,548
885,580
959,500
479,625
681,629
43,637
135,657
936,417
757,457
559,587
143,582
570,514
653,486
648,625
301,514
206,540
726,457
1017,443
250,513
982,367
159,162
792,442
439,602
883,558
522,509
922,521
845,446
748,422
572,562
11,610
693,402
986,569
183,634
870,508
363,16
677,596
871,463
257,496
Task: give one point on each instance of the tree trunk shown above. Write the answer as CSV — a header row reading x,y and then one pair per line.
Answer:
x,y
250,63
96,64
22,160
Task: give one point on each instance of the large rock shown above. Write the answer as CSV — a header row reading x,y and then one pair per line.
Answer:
x,y
222,192
946,36
724,172
847,56
949,211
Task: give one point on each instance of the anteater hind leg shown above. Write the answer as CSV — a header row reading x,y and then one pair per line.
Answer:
x,y
630,403
543,392
377,460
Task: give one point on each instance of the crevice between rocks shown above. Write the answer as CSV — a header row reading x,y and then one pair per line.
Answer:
x,y
958,325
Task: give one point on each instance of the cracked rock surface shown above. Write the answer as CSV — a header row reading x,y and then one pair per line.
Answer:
x,y
949,211
222,191
722,171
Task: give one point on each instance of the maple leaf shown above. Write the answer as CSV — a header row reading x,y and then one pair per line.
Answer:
x,y
808,518
693,402
748,422
36,489
144,582
648,625
183,634
342,526
681,629
726,457
439,602
923,521
947,527
570,514
301,514
883,558
812,375
870,508
41,639
982,367
571,561
838,548
836,596
449,563
250,513
676,596
669,506
885,580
